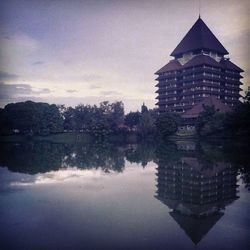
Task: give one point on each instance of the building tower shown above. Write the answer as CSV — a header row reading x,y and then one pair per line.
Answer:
x,y
200,70
196,191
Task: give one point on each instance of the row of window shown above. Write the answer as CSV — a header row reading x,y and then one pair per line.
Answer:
x,y
231,85
171,99
231,91
183,104
231,78
171,79
230,98
170,73
199,82
231,71
171,85
199,75
171,92
197,68
198,95
201,88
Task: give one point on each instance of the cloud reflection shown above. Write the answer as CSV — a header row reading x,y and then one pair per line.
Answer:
x,y
62,175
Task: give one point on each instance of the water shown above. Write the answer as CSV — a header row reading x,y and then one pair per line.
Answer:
x,y
183,195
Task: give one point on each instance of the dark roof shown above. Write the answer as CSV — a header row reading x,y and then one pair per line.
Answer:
x,y
208,101
229,65
195,228
200,60
199,37
170,66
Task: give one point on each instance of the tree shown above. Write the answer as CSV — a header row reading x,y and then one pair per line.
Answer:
x,y
237,122
214,126
53,119
146,125
117,114
246,98
33,118
69,119
167,123
204,118
4,126
98,121
132,119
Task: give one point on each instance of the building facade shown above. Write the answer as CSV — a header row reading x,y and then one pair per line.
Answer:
x,y
200,69
195,190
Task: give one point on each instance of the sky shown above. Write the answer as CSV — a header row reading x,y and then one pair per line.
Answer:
x,y
72,52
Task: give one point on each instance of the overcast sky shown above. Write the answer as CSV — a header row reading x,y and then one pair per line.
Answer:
x,y
71,52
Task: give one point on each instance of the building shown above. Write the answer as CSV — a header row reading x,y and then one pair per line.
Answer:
x,y
200,69
196,192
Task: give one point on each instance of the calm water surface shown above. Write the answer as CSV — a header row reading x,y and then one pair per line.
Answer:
x,y
182,195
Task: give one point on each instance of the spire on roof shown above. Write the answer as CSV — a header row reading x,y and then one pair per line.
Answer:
x,y
199,9
199,37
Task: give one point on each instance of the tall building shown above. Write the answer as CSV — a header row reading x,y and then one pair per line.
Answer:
x,y
196,191
200,70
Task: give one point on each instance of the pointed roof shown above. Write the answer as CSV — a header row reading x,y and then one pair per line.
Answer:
x,y
196,228
199,37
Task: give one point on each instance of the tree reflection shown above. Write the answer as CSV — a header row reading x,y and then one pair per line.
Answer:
x,y
141,153
41,157
97,155
31,158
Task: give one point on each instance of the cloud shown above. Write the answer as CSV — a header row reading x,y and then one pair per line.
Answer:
x,y
7,76
38,63
93,86
17,46
109,93
90,77
8,91
42,91
71,91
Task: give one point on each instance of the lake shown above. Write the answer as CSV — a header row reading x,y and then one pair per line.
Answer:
x,y
172,195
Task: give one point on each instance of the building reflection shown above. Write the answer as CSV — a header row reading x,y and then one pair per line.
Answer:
x,y
196,191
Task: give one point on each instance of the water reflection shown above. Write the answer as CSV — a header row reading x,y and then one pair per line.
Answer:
x,y
94,187
42,157
59,176
34,158
196,188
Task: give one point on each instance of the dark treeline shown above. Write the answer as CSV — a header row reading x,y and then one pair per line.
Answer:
x,y
31,118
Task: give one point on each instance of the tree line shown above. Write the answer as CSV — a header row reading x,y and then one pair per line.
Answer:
x,y
35,118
